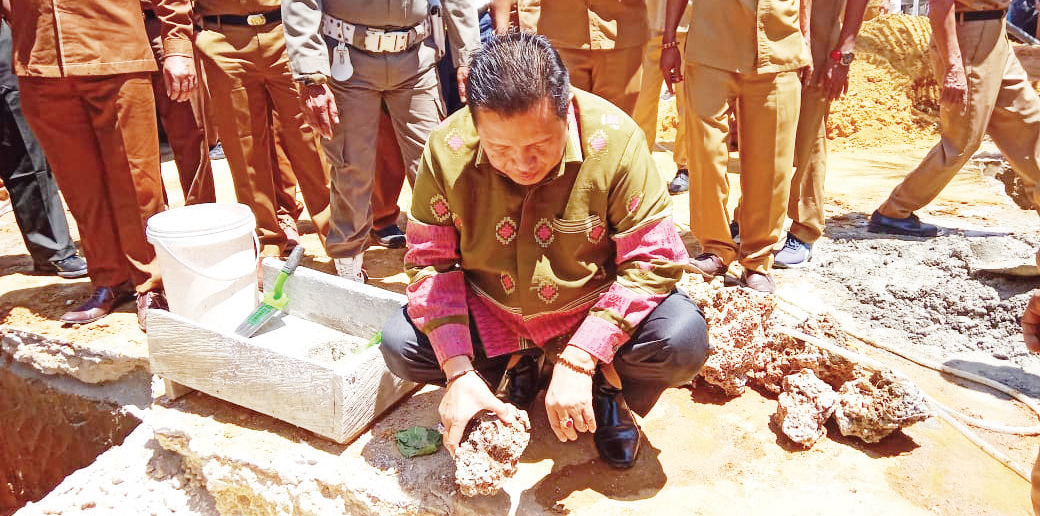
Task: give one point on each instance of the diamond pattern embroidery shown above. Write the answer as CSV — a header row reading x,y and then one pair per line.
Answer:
x,y
633,203
548,292
439,207
595,234
598,141
454,141
508,285
505,230
543,233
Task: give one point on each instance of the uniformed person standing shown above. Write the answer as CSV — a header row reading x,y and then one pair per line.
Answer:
x,y
832,53
645,112
995,98
242,47
183,122
744,54
600,41
353,56
85,73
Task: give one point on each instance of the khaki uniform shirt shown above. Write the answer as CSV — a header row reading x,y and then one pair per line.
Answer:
x,y
587,24
981,5
656,10
308,52
585,254
746,36
69,38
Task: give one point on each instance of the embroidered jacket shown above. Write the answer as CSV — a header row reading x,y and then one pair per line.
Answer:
x,y
585,254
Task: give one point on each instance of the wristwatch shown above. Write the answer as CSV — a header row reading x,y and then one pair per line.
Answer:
x,y
314,79
843,58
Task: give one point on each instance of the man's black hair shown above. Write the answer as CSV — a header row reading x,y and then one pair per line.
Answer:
x,y
516,71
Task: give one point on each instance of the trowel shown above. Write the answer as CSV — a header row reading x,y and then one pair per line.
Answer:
x,y
274,301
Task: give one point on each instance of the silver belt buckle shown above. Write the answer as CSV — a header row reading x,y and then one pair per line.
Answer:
x,y
256,20
372,40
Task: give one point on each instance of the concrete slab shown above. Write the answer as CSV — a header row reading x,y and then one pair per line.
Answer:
x,y
702,455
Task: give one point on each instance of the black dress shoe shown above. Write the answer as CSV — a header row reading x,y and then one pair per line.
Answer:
x,y
909,226
680,183
71,267
519,385
391,237
151,300
104,300
617,435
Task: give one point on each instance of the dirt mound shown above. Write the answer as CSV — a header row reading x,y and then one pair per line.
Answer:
x,y
892,97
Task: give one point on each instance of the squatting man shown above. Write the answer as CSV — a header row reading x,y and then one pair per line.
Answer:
x,y
541,231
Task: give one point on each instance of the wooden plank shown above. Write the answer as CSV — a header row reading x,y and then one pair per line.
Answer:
x,y
290,388
365,389
174,390
350,307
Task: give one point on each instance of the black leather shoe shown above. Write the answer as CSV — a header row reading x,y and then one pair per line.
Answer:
x,y
104,300
151,300
617,436
520,383
390,236
71,267
680,183
909,226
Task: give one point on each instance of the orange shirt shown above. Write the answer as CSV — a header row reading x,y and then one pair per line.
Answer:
x,y
71,38
981,5
587,24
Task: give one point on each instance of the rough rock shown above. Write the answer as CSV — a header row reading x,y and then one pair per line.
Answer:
x,y
872,408
100,361
489,452
805,405
748,349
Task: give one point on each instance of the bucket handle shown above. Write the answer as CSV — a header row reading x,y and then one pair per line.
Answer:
x,y
256,250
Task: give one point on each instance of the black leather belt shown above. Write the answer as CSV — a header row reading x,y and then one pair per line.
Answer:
x,y
250,20
966,16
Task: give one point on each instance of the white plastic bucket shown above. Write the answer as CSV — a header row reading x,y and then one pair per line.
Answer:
x,y
208,254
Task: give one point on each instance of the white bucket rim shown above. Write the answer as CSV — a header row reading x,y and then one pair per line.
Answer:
x,y
246,222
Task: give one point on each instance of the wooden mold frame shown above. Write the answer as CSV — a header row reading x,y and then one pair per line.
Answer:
x,y
310,367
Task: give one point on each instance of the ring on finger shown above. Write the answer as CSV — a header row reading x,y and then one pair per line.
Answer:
x,y
567,422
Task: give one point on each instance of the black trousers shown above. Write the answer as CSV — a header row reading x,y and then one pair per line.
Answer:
x,y
666,350
34,194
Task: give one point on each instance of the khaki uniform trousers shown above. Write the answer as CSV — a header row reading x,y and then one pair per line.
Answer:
x,y
406,83
805,207
645,111
767,110
247,70
390,175
1001,103
612,74
99,135
185,127
1036,486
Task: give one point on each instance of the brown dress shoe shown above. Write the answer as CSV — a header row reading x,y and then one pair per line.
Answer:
x,y
760,282
707,265
104,300
153,299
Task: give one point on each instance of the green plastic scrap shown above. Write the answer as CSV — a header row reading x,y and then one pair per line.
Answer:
x,y
417,440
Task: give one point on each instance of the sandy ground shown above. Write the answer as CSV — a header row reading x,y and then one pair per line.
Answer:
x,y
920,295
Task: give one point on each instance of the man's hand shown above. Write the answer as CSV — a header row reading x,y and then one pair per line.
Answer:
x,y
467,396
319,108
1031,323
179,77
834,80
569,396
461,73
955,86
671,67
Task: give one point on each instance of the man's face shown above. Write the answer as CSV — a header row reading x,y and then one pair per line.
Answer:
x,y
526,146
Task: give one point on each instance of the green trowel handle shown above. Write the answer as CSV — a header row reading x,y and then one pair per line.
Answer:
x,y
276,298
